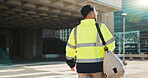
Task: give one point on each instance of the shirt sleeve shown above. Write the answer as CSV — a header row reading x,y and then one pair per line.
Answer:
x,y
71,46
109,39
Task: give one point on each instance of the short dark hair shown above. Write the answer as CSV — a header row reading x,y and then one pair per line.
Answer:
x,y
86,10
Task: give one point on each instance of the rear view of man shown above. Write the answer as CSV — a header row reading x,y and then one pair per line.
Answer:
x,y
85,46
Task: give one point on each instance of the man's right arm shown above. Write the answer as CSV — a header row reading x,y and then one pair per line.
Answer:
x,y
70,50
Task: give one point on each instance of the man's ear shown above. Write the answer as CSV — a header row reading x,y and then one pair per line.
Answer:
x,y
92,15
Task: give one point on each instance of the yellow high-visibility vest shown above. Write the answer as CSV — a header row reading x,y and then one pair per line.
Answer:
x,y
85,43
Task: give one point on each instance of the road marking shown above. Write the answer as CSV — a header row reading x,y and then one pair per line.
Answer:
x,y
28,74
61,76
42,63
11,70
45,66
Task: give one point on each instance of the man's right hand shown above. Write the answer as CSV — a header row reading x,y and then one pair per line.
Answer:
x,y
71,63
73,69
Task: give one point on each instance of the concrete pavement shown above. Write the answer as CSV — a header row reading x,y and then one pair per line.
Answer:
x,y
134,69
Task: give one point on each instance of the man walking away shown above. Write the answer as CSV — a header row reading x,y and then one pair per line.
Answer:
x,y
84,45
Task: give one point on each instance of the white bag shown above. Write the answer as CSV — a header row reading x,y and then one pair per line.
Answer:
x,y
112,66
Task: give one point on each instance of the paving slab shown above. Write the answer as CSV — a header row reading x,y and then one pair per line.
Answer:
x,y
59,69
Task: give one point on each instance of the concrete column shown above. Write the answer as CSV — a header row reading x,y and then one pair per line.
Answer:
x,y
99,17
39,43
108,20
111,22
31,43
28,43
34,54
103,17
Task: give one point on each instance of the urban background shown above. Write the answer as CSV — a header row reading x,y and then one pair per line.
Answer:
x,y
34,34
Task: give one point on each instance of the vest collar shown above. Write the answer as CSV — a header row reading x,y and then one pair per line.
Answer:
x,y
88,21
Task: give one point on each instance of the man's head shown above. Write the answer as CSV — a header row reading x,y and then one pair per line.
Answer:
x,y
89,12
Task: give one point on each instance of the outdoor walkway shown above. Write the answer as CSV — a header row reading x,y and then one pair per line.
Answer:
x,y
134,69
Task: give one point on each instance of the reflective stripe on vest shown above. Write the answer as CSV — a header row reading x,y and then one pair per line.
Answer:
x,y
90,60
85,45
69,58
110,41
71,46
75,35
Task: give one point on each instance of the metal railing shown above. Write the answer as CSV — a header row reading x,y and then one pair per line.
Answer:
x,y
134,56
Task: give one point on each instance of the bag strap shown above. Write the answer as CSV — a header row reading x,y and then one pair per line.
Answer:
x,y
101,36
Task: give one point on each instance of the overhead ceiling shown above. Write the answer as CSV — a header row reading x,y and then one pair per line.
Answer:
x,y
51,14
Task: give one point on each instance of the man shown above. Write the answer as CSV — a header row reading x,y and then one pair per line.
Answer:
x,y
84,45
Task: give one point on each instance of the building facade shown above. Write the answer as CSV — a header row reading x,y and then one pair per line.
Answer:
x,y
136,23
50,33
64,34
22,22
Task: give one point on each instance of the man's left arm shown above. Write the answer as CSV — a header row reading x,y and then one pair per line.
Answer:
x,y
108,37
